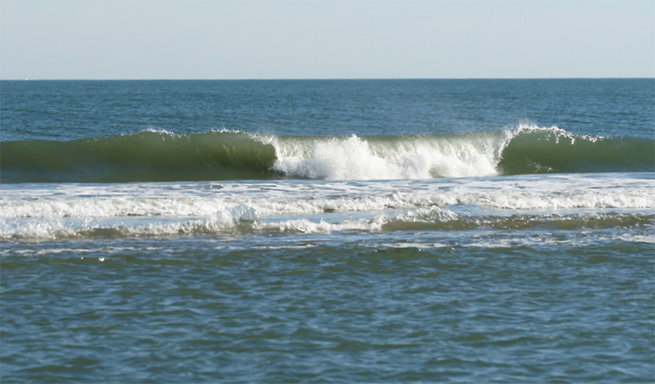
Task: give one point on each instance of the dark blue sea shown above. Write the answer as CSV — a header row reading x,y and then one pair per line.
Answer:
x,y
328,231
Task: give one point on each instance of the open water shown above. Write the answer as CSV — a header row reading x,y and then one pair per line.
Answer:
x,y
327,231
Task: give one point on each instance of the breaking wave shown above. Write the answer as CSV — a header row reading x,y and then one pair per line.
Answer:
x,y
227,155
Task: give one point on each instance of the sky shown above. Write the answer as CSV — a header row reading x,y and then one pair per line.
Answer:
x,y
314,39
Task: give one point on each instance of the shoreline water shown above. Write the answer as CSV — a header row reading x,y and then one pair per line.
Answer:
x,y
398,231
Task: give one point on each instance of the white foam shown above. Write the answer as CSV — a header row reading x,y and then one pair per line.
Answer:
x,y
637,238
431,214
409,157
355,158
556,132
322,226
154,209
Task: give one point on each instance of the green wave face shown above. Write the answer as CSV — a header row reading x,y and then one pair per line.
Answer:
x,y
143,156
163,156
557,151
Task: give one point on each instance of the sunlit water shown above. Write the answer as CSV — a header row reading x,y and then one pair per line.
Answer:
x,y
335,231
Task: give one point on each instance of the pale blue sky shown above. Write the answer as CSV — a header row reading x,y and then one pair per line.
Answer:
x,y
191,39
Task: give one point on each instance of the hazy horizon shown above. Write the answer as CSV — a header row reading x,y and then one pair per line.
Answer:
x,y
339,79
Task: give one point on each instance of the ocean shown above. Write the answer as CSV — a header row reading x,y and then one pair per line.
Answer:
x,y
327,231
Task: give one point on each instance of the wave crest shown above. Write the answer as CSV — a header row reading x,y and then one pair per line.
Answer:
x,y
227,155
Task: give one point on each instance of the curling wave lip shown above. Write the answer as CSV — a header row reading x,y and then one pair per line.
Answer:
x,y
233,155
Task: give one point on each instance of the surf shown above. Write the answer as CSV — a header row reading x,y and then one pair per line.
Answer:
x,y
156,156
524,203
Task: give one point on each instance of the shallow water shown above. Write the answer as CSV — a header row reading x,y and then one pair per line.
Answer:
x,y
466,308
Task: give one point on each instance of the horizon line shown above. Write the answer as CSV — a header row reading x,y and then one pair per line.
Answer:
x,y
331,78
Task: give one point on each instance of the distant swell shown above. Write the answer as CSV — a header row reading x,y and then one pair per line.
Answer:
x,y
164,156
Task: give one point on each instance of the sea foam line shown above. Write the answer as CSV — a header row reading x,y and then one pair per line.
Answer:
x,y
252,208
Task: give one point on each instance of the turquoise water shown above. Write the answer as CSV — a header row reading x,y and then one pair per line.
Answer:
x,y
327,231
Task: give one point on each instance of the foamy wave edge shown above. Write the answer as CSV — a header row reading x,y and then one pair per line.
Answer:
x,y
428,218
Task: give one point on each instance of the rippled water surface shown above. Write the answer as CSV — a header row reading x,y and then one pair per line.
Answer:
x,y
474,307
328,231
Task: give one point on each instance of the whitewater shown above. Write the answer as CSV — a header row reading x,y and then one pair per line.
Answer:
x,y
164,209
